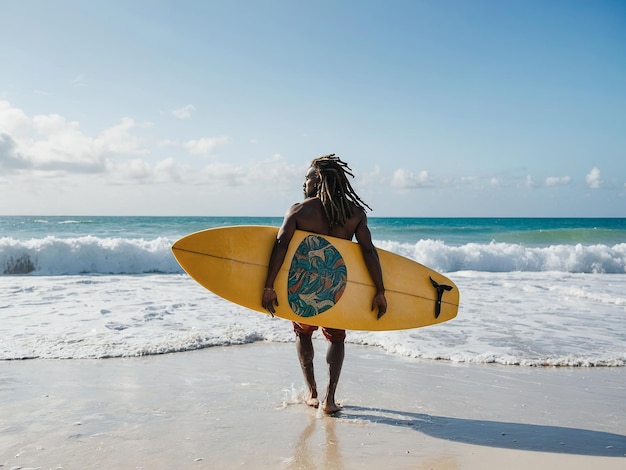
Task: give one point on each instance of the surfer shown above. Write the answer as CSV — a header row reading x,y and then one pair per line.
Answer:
x,y
331,207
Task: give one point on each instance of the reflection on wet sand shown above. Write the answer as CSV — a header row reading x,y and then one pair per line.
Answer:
x,y
306,455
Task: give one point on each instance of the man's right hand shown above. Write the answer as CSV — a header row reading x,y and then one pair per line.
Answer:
x,y
270,301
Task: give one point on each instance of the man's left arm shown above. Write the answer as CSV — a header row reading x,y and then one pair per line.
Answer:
x,y
285,234
372,262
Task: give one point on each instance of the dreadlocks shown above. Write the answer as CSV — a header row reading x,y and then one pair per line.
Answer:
x,y
334,190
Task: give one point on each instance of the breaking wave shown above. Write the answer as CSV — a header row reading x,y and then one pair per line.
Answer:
x,y
51,256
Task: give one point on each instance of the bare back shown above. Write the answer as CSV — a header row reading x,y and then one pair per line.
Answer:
x,y
309,216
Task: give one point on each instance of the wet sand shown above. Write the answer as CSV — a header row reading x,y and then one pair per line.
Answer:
x,y
242,406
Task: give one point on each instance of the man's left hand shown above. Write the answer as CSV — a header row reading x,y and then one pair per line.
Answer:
x,y
379,302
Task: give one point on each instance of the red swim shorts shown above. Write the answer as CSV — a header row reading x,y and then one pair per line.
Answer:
x,y
332,334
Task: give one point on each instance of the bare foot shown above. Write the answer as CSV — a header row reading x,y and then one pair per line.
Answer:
x,y
313,401
331,408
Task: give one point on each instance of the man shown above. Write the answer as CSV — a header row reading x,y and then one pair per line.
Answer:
x,y
331,207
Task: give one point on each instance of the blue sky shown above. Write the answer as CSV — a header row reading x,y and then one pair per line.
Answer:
x,y
442,108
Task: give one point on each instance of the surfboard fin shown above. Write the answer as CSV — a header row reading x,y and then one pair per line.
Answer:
x,y
441,288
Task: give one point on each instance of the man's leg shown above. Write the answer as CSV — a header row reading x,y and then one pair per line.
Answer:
x,y
334,358
304,346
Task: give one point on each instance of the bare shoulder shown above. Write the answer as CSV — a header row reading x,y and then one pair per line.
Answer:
x,y
359,213
306,207
358,217
309,215
360,227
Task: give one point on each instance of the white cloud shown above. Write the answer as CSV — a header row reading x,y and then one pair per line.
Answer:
x,y
12,120
205,145
404,179
257,172
138,170
168,143
50,143
79,81
529,182
557,181
10,159
184,112
216,175
495,182
118,139
372,178
50,147
469,179
593,179
549,182
225,173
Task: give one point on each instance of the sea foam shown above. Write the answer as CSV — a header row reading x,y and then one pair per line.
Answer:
x,y
522,319
508,257
95,255
86,255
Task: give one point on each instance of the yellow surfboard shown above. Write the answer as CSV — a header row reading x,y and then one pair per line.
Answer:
x,y
323,280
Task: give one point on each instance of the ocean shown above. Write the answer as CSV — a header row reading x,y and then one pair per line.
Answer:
x,y
534,292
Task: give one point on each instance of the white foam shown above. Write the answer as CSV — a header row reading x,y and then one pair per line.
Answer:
x,y
507,257
87,254
520,318
95,255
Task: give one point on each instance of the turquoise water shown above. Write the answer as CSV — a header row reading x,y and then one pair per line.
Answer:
x,y
534,232
525,231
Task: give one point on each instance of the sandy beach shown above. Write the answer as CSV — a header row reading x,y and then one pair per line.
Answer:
x,y
241,406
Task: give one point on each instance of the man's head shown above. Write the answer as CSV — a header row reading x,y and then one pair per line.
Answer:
x,y
327,178
311,183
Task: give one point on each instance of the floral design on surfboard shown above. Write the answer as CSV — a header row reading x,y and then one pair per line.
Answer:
x,y
317,277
